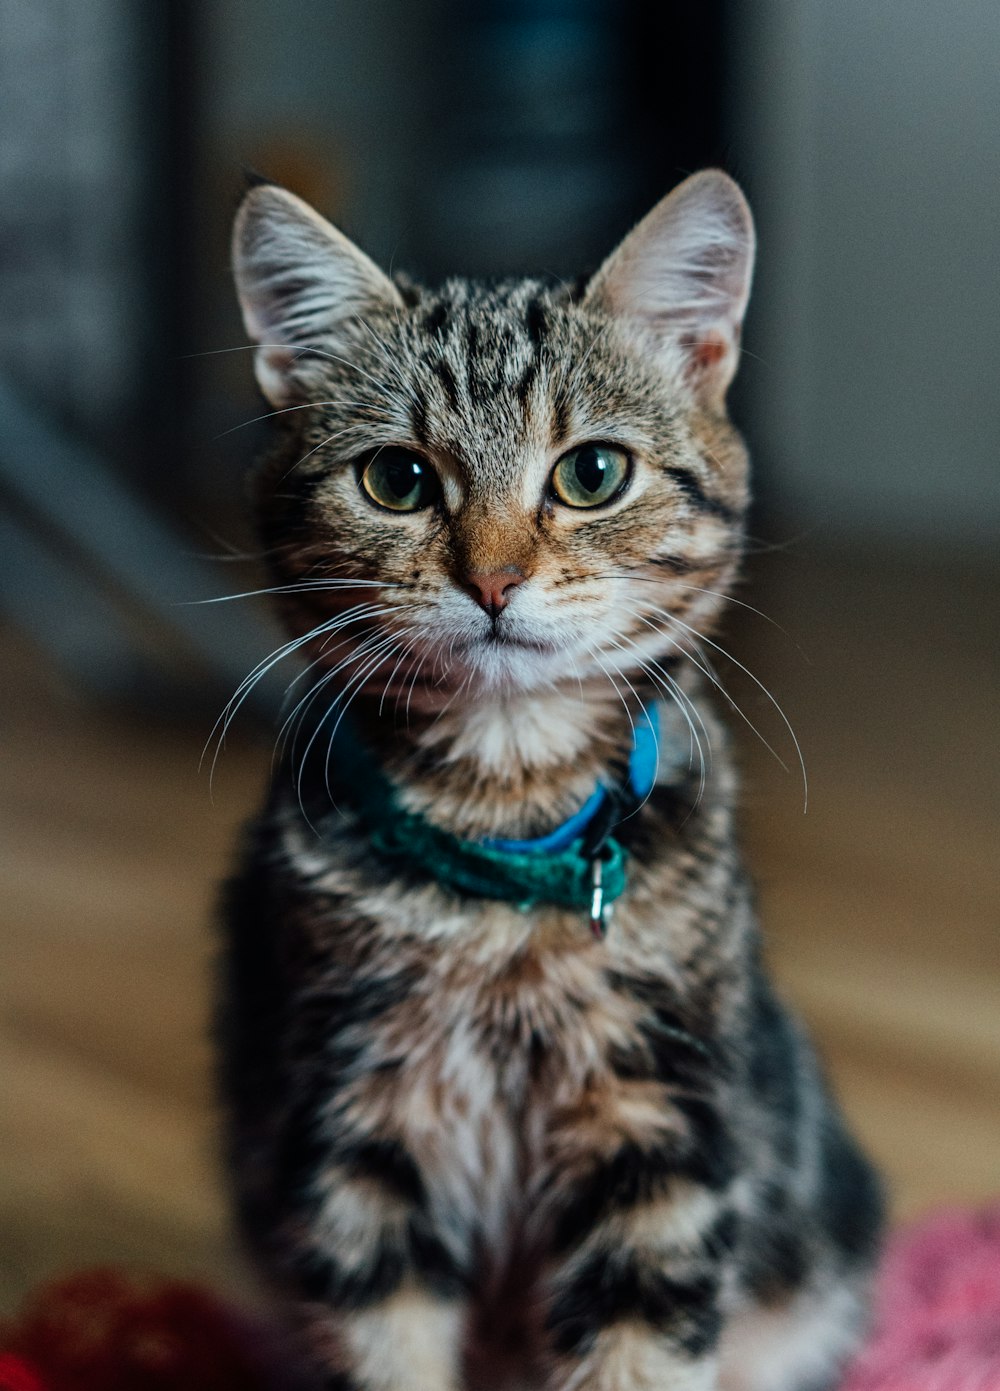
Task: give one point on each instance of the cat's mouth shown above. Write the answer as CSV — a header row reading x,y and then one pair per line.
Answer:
x,y
502,637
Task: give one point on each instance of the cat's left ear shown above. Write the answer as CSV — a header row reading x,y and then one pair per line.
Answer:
x,y
681,280
298,280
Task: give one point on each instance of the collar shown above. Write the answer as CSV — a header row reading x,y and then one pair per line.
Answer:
x,y
642,765
578,865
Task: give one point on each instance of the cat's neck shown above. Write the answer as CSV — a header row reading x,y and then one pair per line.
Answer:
x,y
517,765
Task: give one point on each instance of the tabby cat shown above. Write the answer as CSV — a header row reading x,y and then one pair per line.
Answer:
x,y
510,1099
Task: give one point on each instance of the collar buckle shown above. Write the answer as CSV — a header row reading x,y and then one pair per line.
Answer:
x,y
600,911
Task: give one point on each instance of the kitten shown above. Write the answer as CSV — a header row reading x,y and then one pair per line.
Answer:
x,y
503,1109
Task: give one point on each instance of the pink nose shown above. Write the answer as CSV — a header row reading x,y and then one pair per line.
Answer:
x,y
492,589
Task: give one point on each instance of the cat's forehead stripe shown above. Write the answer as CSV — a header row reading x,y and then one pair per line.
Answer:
x,y
492,359
484,354
442,370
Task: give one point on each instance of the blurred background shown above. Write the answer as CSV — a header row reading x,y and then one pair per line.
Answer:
x,y
485,138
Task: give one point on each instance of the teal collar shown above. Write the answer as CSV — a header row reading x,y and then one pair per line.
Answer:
x,y
580,865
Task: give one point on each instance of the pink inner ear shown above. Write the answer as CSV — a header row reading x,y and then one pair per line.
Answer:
x,y
705,353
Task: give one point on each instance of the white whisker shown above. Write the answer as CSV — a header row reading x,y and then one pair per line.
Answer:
x,y
381,654
383,643
296,587
679,697
702,637
298,349
298,714
285,410
267,664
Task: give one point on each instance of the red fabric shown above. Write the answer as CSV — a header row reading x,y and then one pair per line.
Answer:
x,y
18,1375
106,1331
936,1327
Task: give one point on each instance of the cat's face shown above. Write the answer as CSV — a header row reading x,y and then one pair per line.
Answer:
x,y
534,486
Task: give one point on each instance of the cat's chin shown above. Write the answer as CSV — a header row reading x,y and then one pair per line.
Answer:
x,y
491,670
507,642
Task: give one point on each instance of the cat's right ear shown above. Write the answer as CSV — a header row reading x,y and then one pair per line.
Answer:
x,y
298,281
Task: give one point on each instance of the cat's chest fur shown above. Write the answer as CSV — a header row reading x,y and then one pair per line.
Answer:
x,y
497,1045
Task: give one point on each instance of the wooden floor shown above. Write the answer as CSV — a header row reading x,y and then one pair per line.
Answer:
x,y
880,904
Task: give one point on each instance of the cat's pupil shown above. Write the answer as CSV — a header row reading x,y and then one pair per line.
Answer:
x,y
402,476
590,468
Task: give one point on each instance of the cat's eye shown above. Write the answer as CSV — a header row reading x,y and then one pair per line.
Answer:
x,y
399,480
590,475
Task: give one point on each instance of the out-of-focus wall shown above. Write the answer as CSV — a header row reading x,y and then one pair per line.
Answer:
x,y
868,136
319,85
78,140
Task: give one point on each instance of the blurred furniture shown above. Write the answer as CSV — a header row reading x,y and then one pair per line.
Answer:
x,y
99,580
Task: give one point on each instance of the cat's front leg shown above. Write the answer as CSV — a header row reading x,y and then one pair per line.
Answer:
x,y
408,1341
378,1293
636,1288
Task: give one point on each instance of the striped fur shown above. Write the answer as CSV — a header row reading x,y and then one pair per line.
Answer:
x,y
472,1145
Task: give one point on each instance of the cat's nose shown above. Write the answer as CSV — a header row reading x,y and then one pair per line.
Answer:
x,y
492,589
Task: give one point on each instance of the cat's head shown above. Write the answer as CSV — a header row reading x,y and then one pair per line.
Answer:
x,y
525,483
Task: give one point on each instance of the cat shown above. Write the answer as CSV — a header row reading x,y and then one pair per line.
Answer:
x,y
510,1099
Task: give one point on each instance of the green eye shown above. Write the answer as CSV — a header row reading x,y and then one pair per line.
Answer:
x,y
590,475
399,480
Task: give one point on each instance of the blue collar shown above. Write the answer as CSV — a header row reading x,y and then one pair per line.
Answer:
x,y
642,765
